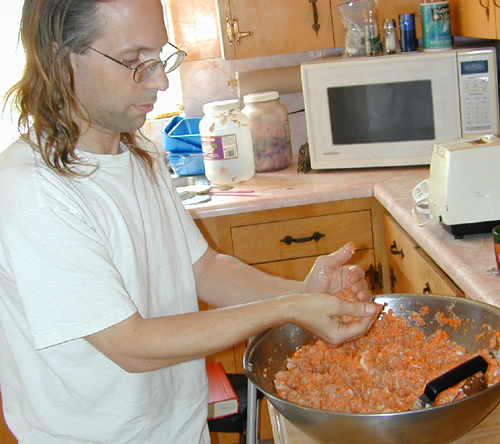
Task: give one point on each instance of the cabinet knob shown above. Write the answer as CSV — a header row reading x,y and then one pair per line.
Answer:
x,y
289,239
427,288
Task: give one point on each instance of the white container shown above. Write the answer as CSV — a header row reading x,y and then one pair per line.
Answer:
x,y
226,141
270,130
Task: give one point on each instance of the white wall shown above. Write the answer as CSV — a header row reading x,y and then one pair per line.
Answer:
x,y
11,68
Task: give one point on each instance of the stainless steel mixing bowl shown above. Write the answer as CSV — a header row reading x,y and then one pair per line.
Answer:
x,y
268,352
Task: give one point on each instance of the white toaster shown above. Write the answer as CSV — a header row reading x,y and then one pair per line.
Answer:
x,y
464,184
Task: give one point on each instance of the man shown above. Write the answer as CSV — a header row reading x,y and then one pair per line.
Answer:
x,y
101,340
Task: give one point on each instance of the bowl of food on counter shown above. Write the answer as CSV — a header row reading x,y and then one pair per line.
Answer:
x,y
371,389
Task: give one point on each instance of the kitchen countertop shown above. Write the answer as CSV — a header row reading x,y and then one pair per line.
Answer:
x,y
467,261
286,188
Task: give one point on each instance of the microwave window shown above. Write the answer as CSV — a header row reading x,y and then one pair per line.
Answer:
x,y
385,112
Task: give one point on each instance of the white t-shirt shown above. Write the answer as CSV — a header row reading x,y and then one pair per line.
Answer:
x,y
77,256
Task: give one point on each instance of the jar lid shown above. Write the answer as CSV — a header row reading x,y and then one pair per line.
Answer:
x,y
370,15
389,24
220,106
261,97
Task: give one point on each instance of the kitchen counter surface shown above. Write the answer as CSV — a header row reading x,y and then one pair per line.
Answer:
x,y
287,188
467,261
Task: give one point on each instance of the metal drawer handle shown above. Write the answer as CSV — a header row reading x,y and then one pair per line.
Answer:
x,y
289,239
394,249
316,25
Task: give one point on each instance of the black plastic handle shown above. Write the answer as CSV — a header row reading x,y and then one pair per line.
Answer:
x,y
454,376
289,239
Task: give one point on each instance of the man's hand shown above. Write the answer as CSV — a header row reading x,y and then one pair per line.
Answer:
x,y
329,275
324,315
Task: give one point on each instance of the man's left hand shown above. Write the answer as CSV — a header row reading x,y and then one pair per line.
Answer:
x,y
329,275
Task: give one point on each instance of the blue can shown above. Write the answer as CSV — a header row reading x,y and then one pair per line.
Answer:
x,y
409,42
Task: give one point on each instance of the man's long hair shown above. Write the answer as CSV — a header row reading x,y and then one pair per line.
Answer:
x,y
45,95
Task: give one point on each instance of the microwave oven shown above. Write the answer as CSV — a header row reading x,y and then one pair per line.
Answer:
x,y
391,110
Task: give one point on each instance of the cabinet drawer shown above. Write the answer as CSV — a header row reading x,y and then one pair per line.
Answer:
x,y
295,238
411,269
299,268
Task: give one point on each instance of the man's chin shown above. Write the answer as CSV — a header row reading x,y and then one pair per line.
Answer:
x,y
133,125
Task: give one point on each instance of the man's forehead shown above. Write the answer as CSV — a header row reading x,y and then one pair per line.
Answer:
x,y
129,10
133,24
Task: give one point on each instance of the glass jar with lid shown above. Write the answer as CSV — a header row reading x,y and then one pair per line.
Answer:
x,y
226,142
270,130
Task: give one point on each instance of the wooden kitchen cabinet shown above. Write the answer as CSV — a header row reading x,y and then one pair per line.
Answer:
x,y
409,268
475,18
277,27
283,242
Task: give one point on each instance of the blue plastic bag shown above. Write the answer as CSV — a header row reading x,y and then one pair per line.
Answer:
x,y
182,142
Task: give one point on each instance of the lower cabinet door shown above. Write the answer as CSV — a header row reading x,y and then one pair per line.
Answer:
x,y
411,270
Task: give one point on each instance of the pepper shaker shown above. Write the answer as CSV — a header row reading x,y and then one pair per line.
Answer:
x,y
391,42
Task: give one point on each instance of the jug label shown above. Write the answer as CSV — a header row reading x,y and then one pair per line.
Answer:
x,y
219,147
436,25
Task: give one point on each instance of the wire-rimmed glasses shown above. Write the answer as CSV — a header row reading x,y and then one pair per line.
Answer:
x,y
145,70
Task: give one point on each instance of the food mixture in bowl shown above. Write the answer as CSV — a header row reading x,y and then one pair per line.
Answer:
x,y
384,371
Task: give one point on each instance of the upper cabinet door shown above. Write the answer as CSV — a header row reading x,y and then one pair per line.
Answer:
x,y
475,18
259,28
192,25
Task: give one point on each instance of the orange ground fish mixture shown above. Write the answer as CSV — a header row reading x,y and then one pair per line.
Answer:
x,y
384,371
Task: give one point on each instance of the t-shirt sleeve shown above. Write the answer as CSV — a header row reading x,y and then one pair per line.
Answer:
x,y
67,283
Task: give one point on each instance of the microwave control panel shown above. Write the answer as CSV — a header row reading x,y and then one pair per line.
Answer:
x,y
478,91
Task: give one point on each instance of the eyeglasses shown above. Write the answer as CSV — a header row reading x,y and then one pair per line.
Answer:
x,y
145,70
